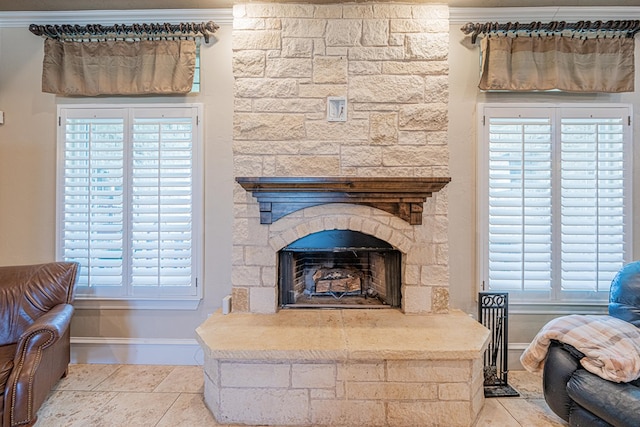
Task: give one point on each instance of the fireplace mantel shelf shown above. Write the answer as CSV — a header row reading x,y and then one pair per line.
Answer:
x,y
402,197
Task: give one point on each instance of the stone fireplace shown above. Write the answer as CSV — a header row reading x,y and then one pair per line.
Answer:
x,y
378,177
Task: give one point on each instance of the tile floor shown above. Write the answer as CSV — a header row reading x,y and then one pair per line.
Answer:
x,y
162,396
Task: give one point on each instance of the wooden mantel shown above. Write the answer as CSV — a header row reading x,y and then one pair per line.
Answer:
x,y
403,197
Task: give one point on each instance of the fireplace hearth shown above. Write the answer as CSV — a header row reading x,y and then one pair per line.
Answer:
x,y
339,269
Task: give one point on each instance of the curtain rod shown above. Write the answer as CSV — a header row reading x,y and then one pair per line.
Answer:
x,y
204,29
628,28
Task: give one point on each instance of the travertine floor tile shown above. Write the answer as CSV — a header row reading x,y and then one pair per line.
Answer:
x,y
188,410
494,414
133,409
527,384
142,378
531,412
85,376
71,408
183,379
126,399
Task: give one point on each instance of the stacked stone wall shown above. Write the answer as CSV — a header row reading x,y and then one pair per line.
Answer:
x,y
390,62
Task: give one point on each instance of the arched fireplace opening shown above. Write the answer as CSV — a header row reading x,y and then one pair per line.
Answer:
x,y
339,269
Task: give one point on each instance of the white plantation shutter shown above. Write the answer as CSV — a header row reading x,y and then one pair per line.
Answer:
x,y
555,200
592,200
129,200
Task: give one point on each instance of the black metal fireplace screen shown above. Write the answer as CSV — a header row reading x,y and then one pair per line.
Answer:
x,y
339,268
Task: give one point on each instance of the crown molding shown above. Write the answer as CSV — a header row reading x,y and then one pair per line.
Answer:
x,y
457,15
462,15
110,17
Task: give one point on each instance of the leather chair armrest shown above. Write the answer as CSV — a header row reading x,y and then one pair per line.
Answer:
x,y
42,356
559,366
46,329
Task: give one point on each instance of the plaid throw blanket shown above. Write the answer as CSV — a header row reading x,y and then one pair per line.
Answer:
x,y
611,346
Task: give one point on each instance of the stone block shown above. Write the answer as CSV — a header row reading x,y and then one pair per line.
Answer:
x,y
327,11
389,10
265,88
289,67
412,137
343,32
364,68
211,368
255,40
211,394
361,371
423,68
239,299
264,406
419,25
242,104
249,24
414,155
435,275
313,376
375,32
429,371
307,166
267,10
244,276
359,156
411,414
263,300
297,48
454,391
347,413
431,47
357,11
329,69
384,88
440,299
304,28
269,276
430,11
416,299
367,53
337,131
259,256
438,87
254,375
321,90
268,127
383,128
430,117
391,391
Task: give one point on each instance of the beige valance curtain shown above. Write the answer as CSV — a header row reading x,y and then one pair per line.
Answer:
x,y
118,67
555,62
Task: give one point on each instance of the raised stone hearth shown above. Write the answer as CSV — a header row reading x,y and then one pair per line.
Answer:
x,y
343,367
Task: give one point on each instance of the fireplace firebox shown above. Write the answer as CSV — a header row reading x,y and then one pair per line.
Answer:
x,y
339,269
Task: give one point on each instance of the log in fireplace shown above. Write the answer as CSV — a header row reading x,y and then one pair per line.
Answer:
x,y
341,269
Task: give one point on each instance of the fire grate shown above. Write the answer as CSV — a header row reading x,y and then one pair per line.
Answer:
x,y
493,314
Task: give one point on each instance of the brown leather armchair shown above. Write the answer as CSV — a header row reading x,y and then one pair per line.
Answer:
x,y
35,313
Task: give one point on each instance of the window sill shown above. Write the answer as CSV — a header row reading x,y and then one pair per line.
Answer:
x,y
84,303
558,308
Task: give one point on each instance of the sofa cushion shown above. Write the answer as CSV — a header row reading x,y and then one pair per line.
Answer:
x,y
7,354
616,403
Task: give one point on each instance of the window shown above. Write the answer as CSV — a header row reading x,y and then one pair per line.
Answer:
x,y
129,197
554,185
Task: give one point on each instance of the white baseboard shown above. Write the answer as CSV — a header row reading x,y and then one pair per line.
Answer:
x,y
136,351
515,351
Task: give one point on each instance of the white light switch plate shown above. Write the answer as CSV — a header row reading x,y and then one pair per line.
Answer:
x,y
1,117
